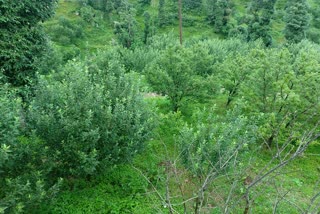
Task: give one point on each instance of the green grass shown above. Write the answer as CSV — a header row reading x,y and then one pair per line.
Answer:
x,y
95,37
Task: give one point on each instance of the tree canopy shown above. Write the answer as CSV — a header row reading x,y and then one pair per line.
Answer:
x,y
22,41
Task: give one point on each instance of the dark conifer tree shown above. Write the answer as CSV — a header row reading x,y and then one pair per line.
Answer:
x,y
144,2
161,13
219,13
211,5
192,4
260,13
297,20
126,28
22,40
147,26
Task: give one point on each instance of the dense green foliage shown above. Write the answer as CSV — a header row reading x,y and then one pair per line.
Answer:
x,y
23,161
297,20
172,76
219,14
200,154
125,29
82,120
259,26
90,117
190,4
22,39
123,118
161,13
279,92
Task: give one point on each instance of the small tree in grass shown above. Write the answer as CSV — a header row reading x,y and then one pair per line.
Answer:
x,y
222,169
90,116
171,75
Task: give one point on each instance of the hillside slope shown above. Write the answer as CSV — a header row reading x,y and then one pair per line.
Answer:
x,y
78,26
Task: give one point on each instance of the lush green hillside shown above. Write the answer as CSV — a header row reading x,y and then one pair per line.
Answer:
x,y
114,115
96,27
138,188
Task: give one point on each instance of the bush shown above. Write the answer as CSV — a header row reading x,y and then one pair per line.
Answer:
x,y
90,15
282,90
213,140
66,32
314,35
70,53
91,116
171,75
221,49
9,117
139,58
191,5
23,161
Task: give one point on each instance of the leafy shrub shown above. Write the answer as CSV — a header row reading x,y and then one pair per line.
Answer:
x,y
70,53
51,61
221,49
163,42
313,34
9,117
239,32
282,91
89,15
190,4
66,32
139,58
171,75
212,141
23,161
90,116
201,61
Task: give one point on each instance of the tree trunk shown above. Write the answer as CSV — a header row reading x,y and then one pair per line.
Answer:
x,y
246,209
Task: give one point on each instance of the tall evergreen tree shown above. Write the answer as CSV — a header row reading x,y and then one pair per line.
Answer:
x,y
218,14
223,12
147,26
22,40
297,21
211,5
192,4
161,13
125,28
144,2
258,29
261,13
